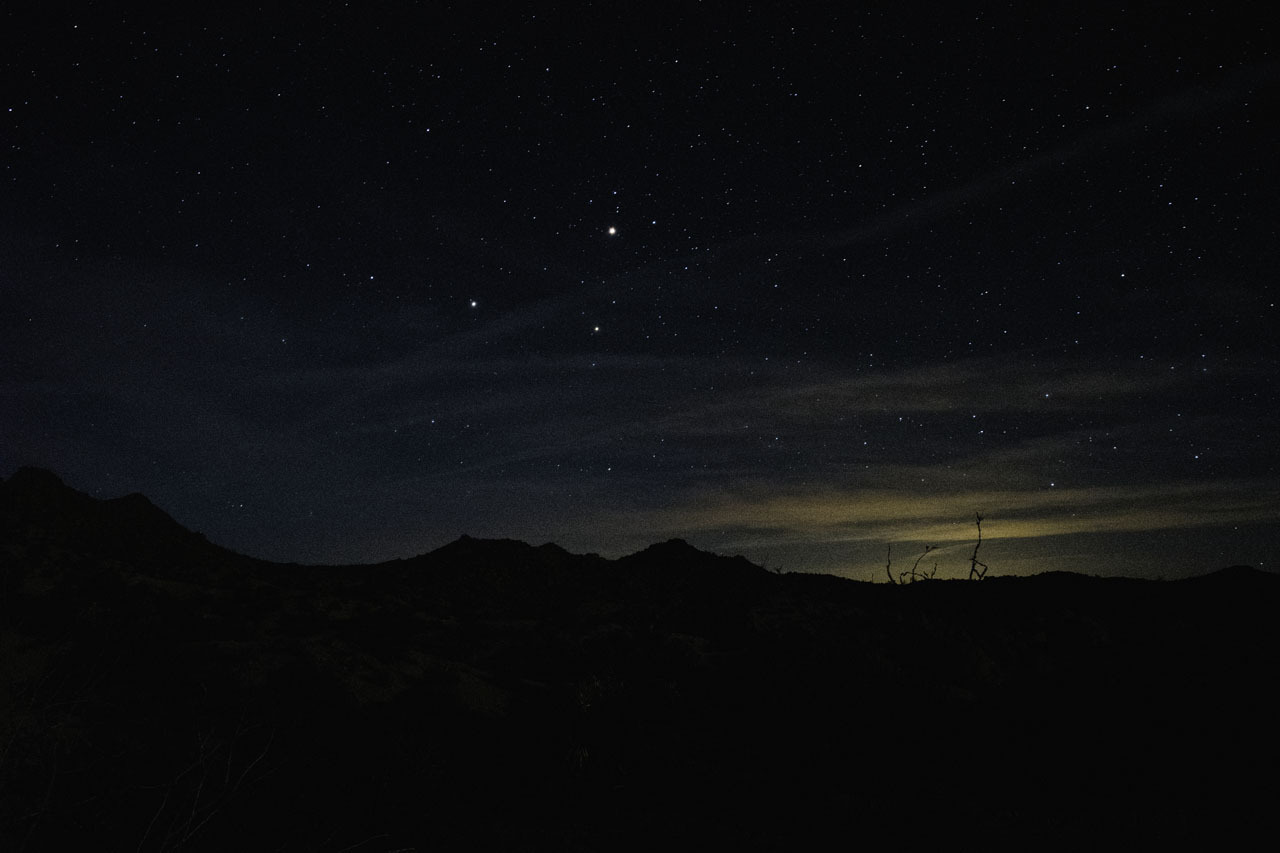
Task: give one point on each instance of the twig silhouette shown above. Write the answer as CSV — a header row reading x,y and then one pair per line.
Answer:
x,y
974,562
914,573
205,802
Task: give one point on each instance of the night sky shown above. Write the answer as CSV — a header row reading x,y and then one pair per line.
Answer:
x,y
339,283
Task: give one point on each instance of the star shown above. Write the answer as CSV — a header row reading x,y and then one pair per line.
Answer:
x,y
612,231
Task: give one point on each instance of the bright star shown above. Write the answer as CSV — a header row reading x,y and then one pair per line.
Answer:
x,y
612,230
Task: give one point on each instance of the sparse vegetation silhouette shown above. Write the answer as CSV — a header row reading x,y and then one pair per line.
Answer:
x,y
974,562
914,574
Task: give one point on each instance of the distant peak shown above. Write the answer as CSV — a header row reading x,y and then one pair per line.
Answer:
x,y
551,548
467,544
473,541
1233,573
30,486
35,502
670,547
29,477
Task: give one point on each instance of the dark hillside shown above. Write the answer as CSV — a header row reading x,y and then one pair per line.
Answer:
x,y
158,692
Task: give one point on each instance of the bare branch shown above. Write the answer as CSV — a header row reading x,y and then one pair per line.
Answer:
x,y
974,562
915,575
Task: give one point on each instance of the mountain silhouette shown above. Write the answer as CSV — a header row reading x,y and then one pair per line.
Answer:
x,y
36,507
160,692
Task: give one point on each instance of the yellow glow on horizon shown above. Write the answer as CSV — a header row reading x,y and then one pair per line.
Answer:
x,y
892,516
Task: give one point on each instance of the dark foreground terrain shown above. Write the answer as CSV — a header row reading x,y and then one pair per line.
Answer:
x,y
158,693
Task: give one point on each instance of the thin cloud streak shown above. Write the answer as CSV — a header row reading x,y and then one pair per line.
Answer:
x,y
1182,106
877,515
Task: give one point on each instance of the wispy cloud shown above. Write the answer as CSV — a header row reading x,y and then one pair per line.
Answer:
x,y
1182,106
830,515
